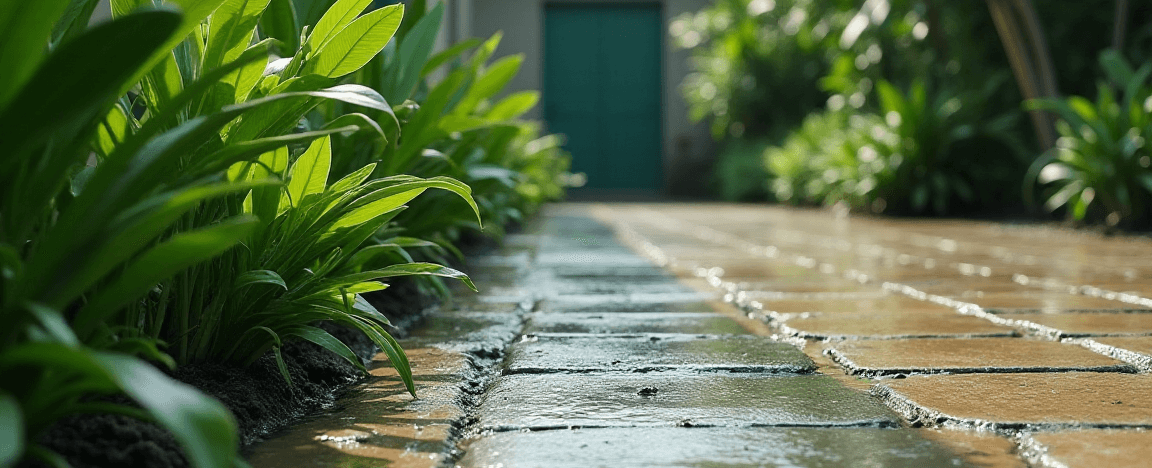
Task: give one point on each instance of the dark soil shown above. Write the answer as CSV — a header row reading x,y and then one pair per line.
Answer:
x,y
257,395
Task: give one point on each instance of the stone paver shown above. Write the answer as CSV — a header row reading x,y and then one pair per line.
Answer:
x,y
655,352
636,322
743,301
889,326
975,355
1083,323
1113,448
549,401
380,421
1018,401
700,447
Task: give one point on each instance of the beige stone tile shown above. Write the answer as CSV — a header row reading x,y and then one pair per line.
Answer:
x,y
379,423
880,357
892,304
1015,401
977,448
905,325
1111,448
1082,323
1047,302
1138,344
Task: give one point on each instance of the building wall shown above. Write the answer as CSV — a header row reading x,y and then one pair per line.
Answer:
x,y
687,147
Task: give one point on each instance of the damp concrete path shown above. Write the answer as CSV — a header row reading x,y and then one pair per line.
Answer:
x,y
633,335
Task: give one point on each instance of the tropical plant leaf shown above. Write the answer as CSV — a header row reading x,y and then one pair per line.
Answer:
x,y
356,44
309,174
249,278
25,29
327,341
204,428
335,19
161,262
11,429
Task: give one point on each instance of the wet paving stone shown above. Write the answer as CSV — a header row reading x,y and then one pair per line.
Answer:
x,y
906,325
1023,401
656,352
708,447
549,401
620,303
1043,303
1087,448
888,357
378,423
636,322
599,257
890,304
1082,324
647,272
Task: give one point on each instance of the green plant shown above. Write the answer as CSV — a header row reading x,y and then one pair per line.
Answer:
x,y
1099,168
48,115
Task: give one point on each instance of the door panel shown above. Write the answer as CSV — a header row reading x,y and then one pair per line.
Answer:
x,y
602,89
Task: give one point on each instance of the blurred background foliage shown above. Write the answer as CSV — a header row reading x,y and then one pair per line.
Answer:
x,y
911,106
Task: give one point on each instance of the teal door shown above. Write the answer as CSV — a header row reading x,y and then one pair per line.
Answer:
x,y
602,90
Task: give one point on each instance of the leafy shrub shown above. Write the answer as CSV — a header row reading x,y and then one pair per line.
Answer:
x,y
1099,168
913,156
166,190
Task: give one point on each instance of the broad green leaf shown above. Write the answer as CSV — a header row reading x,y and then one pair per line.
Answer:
x,y
327,341
247,150
11,429
162,83
249,278
414,52
194,12
161,262
440,58
112,131
281,23
53,323
494,78
230,30
357,120
353,180
238,84
65,99
202,426
462,123
74,20
407,269
309,173
356,44
375,208
25,29
336,19
513,106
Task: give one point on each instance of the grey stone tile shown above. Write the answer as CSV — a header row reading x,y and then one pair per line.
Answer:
x,y
708,447
652,352
636,322
540,401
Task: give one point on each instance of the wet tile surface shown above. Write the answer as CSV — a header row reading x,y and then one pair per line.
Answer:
x,y
621,400
1087,323
1114,448
884,357
708,447
906,325
379,422
654,352
1012,401
636,322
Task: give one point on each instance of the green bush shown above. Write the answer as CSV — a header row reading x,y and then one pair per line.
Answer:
x,y
1099,169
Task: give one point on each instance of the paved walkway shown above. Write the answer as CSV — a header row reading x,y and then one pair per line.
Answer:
x,y
728,335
